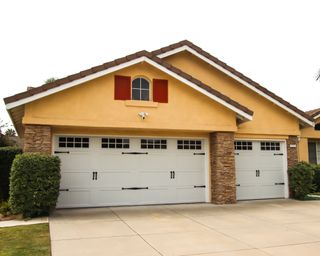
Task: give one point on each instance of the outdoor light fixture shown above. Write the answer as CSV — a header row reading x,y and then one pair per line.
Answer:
x,y
143,115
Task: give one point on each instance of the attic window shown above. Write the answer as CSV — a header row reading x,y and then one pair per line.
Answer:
x,y
140,89
317,127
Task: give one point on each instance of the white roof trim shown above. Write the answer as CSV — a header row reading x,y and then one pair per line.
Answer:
x,y
227,72
121,66
316,117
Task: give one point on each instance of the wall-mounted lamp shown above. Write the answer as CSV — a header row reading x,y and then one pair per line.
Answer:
x,y
143,115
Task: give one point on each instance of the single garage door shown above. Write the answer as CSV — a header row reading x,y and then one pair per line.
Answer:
x,y
104,171
260,168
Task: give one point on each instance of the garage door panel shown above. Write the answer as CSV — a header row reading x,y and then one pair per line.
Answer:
x,y
75,161
189,161
246,177
104,176
157,196
258,170
271,177
191,178
190,194
155,178
270,191
74,198
79,179
243,162
106,197
115,179
114,161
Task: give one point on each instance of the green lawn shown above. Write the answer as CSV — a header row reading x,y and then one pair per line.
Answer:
x,y
29,240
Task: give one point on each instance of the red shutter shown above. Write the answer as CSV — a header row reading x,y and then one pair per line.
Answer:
x,y
122,87
160,90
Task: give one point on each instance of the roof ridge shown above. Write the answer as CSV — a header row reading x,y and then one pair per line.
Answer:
x,y
233,71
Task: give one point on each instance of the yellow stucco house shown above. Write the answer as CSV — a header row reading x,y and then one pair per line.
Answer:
x,y
174,125
309,144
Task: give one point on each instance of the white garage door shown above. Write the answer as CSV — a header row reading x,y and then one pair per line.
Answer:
x,y
103,171
260,169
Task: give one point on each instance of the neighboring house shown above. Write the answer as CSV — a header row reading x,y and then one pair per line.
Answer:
x,y
309,144
174,125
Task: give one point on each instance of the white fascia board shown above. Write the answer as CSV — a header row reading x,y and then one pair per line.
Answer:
x,y
121,66
316,117
73,83
227,72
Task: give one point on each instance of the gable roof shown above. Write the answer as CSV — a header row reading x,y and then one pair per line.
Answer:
x,y
112,66
315,113
186,45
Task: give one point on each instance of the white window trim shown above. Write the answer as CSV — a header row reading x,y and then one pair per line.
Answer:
x,y
190,50
141,89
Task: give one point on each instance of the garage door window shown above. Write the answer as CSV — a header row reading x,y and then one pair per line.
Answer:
x,y
189,144
73,142
243,145
270,146
154,144
115,143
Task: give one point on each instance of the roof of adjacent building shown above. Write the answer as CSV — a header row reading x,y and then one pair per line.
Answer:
x,y
314,112
222,64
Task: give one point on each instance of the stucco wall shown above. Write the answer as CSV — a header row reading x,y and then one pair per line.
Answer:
x,y
307,133
92,105
268,118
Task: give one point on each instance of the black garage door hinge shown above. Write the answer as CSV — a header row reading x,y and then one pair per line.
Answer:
x,y
199,154
134,188
279,183
278,154
134,153
238,185
61,152
202,186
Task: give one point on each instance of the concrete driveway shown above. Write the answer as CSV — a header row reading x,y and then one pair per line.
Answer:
x,y
277,227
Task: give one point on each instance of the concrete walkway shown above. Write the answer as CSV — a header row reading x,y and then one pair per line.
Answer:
x,y
260,228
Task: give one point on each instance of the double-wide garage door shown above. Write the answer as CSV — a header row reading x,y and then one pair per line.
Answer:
x,y
102,171
260,169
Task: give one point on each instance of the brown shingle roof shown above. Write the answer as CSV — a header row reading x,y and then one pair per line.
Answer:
x,y
233,71
119,61
314,112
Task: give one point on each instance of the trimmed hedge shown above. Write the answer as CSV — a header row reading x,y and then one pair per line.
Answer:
x,y
316,178
7,154
301,180
34,184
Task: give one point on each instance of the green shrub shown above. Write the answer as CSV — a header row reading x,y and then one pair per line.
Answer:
x,y
7,154
34,184
301,180
5,209
316,178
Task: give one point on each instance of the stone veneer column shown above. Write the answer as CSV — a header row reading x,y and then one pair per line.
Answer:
x,y
37,138
292,151
223,176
